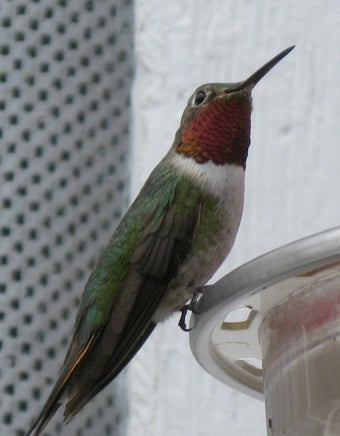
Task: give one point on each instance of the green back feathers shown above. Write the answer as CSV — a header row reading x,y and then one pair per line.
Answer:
x,y
164,191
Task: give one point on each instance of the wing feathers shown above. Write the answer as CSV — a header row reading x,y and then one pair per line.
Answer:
x,y
156,259
97,354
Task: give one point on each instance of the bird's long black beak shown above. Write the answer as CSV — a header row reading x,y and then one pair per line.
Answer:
x,y
257,76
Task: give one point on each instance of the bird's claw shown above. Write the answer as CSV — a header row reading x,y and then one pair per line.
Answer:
x,y
192,306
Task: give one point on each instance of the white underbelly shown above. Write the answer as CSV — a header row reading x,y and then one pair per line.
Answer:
x,y
214,246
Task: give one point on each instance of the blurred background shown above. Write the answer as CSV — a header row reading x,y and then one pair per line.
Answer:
x,y
75,149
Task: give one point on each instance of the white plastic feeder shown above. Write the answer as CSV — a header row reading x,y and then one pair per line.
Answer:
x,y
271,329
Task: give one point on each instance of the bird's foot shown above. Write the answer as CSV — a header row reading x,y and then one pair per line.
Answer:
x,y
193,307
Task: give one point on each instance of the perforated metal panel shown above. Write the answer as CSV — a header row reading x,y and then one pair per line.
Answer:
x,y
65,77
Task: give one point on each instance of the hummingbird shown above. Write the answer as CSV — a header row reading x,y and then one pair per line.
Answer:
x,y
172,239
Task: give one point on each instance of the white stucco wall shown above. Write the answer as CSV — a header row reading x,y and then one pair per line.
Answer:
x,y
293,174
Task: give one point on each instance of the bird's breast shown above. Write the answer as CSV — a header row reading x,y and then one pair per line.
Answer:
x,y
215,232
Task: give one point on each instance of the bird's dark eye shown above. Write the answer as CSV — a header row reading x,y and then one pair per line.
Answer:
x,y
200,97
